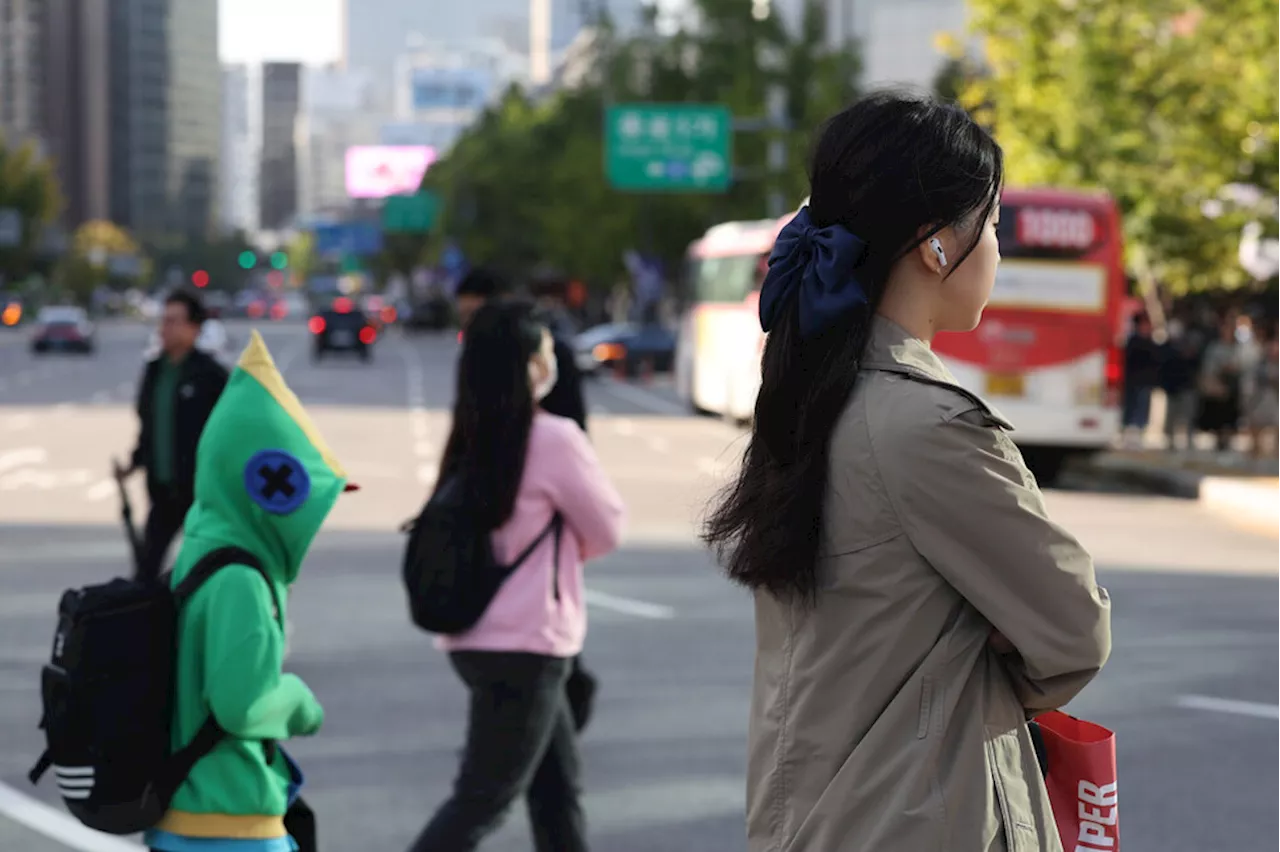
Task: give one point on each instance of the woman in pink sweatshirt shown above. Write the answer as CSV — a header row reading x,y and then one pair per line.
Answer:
x,y
527,468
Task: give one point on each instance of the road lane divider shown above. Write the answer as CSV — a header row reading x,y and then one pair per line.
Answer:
x,y
100,490
54,824
19,458
629,606
1229,706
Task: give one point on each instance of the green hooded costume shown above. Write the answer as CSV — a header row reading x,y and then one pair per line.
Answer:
x,y
265,481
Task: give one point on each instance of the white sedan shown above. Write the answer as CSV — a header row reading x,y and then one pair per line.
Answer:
x,y
213,340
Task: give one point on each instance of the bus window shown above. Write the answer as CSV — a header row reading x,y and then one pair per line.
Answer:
x,y
726,279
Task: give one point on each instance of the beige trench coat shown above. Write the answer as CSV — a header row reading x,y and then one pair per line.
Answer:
x,y
881,721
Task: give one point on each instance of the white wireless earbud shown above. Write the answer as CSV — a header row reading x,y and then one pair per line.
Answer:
x,y
936,245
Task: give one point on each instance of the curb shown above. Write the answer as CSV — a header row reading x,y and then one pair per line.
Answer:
x,y
1253,500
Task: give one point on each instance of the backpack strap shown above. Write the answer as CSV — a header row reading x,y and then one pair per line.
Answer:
x,y
557,522
214,561
180,764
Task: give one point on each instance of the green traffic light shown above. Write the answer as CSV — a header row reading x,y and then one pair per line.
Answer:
x,y
279,260
247,260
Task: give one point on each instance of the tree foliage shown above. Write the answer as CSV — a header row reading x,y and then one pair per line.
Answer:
x,y
1163,103
91,262
29,185
525,185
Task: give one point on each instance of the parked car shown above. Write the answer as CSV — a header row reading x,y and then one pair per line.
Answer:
x,y
630,346
62,329
342,328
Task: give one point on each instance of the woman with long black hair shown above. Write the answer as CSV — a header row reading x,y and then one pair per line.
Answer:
x,y
535,479
914,603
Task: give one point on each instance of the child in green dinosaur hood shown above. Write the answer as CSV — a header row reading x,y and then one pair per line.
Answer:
x,y
265,481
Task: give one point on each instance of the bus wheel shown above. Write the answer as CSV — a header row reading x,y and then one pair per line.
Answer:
x,y
1045,462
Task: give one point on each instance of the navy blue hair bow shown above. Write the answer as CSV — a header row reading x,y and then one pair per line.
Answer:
x,y
818,263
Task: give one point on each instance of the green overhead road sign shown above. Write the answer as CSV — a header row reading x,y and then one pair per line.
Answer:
x,y
410,214
656,147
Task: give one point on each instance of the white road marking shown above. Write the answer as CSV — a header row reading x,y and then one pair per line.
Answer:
x,y
425,449
100,490
629,606
427,474
642,398
15,459
624,427
44,480
1229,706
17,422
658,444
55,825
421,427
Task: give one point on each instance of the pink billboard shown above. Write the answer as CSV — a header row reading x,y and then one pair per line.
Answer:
x,y
376,171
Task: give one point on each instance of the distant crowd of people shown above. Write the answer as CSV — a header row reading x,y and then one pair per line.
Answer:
x,y
1218,372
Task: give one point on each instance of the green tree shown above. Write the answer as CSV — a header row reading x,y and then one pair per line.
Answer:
x,y
525,185
28,185
1163,103
93,260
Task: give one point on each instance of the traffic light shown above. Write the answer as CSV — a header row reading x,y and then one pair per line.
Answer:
x,y
248,260
200,278
279,260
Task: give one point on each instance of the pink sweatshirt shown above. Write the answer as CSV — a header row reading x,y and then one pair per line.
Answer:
x,y
561,473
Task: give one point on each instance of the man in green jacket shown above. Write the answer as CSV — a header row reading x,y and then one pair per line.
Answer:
x,y
265,481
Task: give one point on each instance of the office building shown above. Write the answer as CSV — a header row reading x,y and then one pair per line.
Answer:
x,y
278,162
241,142
165,113
378,31
76,120
339,112
21,72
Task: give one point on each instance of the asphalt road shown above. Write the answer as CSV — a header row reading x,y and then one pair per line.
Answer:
x,y
1191,688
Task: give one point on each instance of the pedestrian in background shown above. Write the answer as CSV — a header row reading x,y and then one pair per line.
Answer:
x,y
1141,375
527,467
914,604
179,388
1220,385
564,399
1264,404
1179,357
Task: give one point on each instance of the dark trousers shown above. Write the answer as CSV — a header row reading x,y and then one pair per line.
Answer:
x,y
168,510
520,741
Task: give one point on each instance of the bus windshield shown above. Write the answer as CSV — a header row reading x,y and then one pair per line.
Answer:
x,y
725,279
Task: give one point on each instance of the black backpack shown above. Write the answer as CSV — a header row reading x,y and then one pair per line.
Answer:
x,y
108,698
450,572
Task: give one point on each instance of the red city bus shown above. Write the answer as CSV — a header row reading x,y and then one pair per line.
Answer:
x,y
1047,352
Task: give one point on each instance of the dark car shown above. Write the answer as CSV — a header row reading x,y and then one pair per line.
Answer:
x,y
62,329
342,329
630,346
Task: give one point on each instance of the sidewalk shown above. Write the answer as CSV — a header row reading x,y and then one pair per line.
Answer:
x,y
1233,485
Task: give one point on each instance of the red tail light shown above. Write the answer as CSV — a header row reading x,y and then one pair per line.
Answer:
x,y
316,325
368,335
342,305
1114,374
